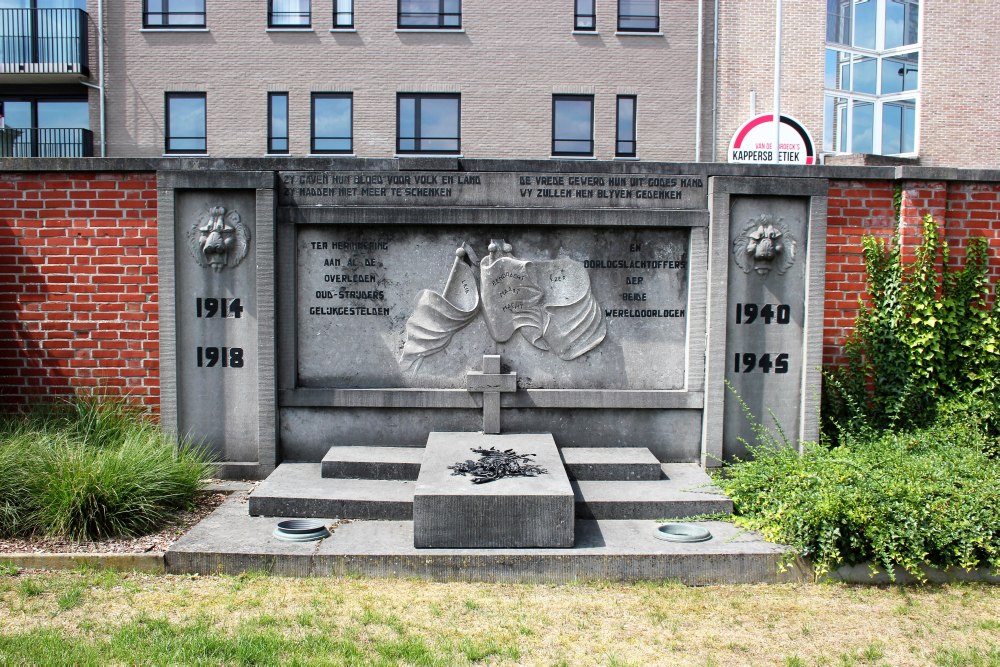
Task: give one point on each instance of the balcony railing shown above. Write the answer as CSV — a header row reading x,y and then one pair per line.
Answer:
x,y
43,41
46,142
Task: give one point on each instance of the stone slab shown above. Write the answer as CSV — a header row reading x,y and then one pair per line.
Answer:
x,y
385,463
298,490
230,542
610,463
450,511
686,491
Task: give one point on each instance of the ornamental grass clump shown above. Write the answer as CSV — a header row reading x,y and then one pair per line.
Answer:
x,y
91,469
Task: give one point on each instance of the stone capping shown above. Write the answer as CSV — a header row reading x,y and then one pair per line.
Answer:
x,y
285,163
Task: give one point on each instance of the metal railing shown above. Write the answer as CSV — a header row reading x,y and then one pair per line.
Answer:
x,y
46,142
47,41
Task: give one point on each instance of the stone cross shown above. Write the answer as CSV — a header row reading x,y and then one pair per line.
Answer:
x,y
490,382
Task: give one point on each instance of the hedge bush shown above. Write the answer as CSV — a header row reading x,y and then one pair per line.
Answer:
x,y
908,499
93,468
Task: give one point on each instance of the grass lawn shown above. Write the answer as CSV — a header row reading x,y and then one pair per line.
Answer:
x,y
91,617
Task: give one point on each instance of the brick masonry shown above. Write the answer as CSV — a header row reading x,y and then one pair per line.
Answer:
x,y
78,271
78,285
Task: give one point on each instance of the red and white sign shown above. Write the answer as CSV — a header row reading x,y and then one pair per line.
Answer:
x,y
754,142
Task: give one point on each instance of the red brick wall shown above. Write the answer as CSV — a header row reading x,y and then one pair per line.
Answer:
x,y
856,208
78,285
78,273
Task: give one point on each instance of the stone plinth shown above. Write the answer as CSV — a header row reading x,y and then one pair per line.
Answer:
x,y
449,511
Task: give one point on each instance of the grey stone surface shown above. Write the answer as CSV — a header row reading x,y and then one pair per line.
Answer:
x,y
685,491
671,431
516,512
229,541
218,368
387,463
358,286
299,490
610,463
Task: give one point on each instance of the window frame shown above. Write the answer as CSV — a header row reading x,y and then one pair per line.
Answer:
x,y
619,140
842,99
441,14
418,122
338,13
656,17
578,15
288,26
271,136
312,124
167,96
166,13
560,97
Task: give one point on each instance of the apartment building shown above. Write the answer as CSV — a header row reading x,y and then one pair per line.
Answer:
x,y
657,80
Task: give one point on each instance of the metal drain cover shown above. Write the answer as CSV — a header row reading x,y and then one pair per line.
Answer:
x,y
682,532
301,530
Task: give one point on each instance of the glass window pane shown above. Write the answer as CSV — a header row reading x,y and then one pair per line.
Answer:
x,y
864,23
838,22
278,130
901,22
898,127
899,73
865,71
407,117
186,123
290,12
438,118
572,125
332,124
344,14
638,14
625,139
838,70
862,130
64,113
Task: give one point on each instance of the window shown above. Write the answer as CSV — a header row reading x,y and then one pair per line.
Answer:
x,y
343,14
332,122
173,14
639,15
277,122
872,76
433,14
288,14
572,125
46,126
185,123
585,18
625,127
428,123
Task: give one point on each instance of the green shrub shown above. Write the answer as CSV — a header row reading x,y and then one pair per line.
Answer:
x,y
91,469
928,333
927,497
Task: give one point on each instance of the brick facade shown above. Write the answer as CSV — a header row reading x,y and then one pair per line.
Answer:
x,y
78,271
78,285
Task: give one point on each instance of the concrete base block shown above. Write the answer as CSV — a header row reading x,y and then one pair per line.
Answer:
x,y
373,462
611,463
449,511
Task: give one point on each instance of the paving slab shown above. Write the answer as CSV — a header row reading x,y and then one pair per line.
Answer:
x,y
610,463
387,463
299,490
231,541
519,512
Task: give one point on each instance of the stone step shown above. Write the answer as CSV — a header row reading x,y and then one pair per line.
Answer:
x,y
610,463
298,490
687,491
386,463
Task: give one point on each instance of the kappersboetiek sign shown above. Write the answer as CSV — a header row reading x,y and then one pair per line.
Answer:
x,y
754,142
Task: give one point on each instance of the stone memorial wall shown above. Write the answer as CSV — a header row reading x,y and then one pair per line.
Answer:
x,y
592,306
